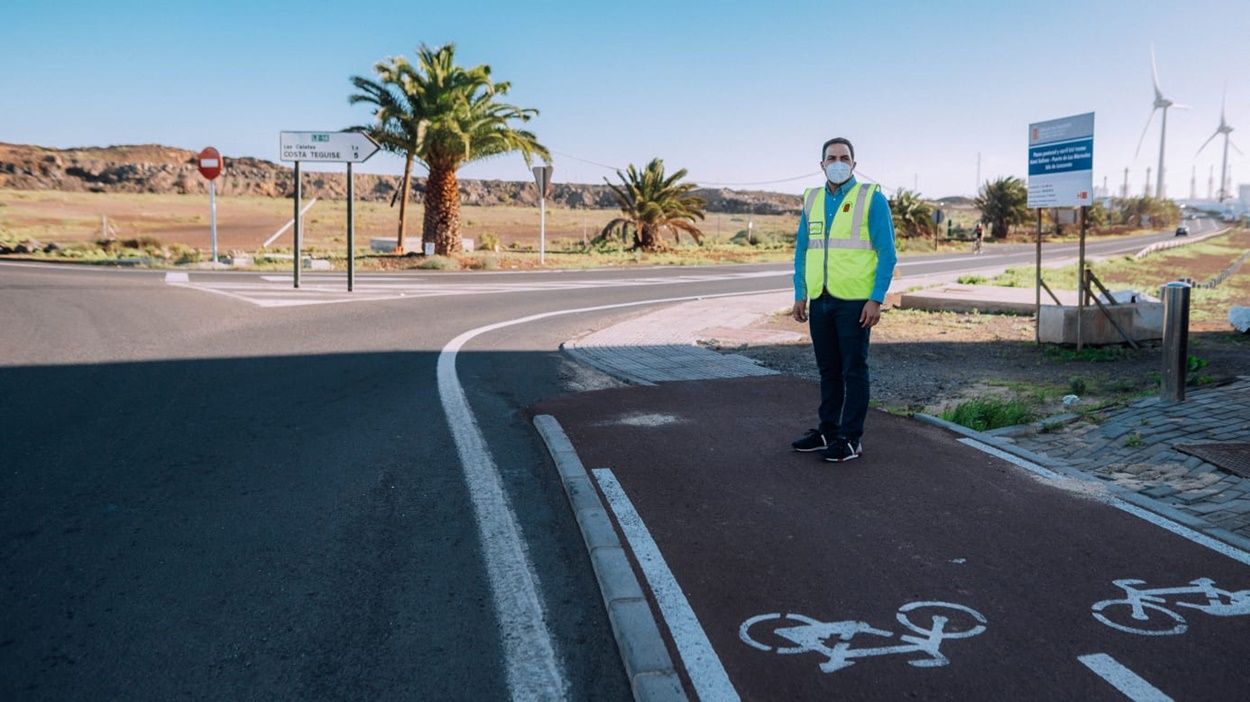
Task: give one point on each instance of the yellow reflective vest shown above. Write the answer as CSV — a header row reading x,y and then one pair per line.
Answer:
x,y
842,259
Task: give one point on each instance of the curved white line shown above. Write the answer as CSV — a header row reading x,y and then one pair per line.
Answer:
x,y
529,651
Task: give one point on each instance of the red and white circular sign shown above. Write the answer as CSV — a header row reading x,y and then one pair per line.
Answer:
x,y
209,161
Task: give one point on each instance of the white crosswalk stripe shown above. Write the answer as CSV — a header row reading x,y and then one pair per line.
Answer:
x,y
277,290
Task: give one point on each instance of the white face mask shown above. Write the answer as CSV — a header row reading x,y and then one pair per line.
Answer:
x,y
838,172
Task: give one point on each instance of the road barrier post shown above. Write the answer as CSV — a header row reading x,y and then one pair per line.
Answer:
x,y
1175,340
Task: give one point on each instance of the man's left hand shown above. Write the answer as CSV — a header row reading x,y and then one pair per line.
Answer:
x,y
870,315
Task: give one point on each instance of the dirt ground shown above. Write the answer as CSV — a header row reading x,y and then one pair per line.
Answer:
x,y
929,361
245,222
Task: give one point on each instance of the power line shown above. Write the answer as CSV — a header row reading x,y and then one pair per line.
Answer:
x,y
584,160
761,182
810,174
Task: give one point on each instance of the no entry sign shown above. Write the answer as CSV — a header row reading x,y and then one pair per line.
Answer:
x,y
209,162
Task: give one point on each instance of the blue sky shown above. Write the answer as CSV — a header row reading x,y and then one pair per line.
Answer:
x,y
734,92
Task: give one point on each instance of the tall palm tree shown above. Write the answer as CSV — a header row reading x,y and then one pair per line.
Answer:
x,y
1003,203
912,215
451,118
652,203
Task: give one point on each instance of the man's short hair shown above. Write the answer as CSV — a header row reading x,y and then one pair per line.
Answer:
x,y
838,140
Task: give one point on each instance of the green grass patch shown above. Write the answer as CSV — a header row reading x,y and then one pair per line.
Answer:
x,y
983,414
1088,354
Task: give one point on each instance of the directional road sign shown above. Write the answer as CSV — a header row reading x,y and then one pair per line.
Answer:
x,y
341,147
542,178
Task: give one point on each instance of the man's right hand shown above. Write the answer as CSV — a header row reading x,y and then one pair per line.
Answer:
x,y
800,311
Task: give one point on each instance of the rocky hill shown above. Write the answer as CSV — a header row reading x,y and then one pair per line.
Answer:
x,y
162,169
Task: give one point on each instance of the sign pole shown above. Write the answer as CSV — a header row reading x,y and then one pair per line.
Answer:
x,y
297,225
1037,304
351,233
212,207
542,231
1080,286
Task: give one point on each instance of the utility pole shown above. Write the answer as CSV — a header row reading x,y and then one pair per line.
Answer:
x,y
1146,191
1124,190
1193,184
1211,183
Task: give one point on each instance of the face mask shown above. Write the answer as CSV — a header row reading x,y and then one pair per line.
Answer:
x,y
838,172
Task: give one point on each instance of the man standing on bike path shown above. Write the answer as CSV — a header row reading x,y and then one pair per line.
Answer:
x,y
843,262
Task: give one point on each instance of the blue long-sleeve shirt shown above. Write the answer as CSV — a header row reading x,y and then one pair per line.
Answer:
x,y
880,232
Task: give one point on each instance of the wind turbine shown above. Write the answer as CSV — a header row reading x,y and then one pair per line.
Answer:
x,y
1224,129
1160,103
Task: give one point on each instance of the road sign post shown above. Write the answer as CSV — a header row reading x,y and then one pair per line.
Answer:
x,y
351,232
210,163
298,228
542,178
334,147
1061,174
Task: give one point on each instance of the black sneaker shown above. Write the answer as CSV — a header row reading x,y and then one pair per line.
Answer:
x,y
813,440
842,451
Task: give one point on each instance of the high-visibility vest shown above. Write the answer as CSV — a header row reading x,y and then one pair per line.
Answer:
x,y
842,259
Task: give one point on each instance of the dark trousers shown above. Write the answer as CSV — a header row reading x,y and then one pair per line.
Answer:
x,y
841,346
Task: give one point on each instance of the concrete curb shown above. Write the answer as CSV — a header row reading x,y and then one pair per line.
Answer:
x,y
648,666
1137,499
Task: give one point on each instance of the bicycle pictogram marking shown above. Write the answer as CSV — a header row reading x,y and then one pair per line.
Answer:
x,y
786,634
1142,611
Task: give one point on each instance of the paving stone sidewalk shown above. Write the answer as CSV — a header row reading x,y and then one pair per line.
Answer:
x,y
1135,447
662,346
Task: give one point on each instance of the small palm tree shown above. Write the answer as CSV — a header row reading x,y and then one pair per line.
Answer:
x,y
446,116
1003,203
399,126
652,203
912,215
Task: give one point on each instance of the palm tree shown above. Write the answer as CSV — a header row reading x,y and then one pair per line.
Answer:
x,y
912,215
1003,203
449,117
651,203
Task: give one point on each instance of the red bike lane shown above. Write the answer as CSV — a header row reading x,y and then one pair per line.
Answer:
x,y
927,568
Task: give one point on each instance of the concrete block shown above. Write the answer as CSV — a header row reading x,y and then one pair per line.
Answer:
x,y
1057,325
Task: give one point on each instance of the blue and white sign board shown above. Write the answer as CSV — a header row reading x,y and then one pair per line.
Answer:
x,y
1061,162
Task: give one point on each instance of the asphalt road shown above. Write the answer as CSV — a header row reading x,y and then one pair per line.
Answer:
x,y
225,489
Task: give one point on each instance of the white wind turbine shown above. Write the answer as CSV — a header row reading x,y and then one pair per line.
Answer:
x,y
1160,103
1224,129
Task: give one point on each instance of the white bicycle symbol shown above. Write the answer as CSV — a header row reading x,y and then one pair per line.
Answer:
x,y
1140,604
795,633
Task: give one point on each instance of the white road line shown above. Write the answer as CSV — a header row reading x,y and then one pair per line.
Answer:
x,y
533,671
707,674
1126,681
1160,521
177,277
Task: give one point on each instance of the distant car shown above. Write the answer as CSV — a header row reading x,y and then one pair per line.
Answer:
x,y
1182,231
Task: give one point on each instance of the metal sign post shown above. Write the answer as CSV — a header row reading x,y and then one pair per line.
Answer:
x,y
542,178
351,232
298,228
339,147
212,215
210,163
